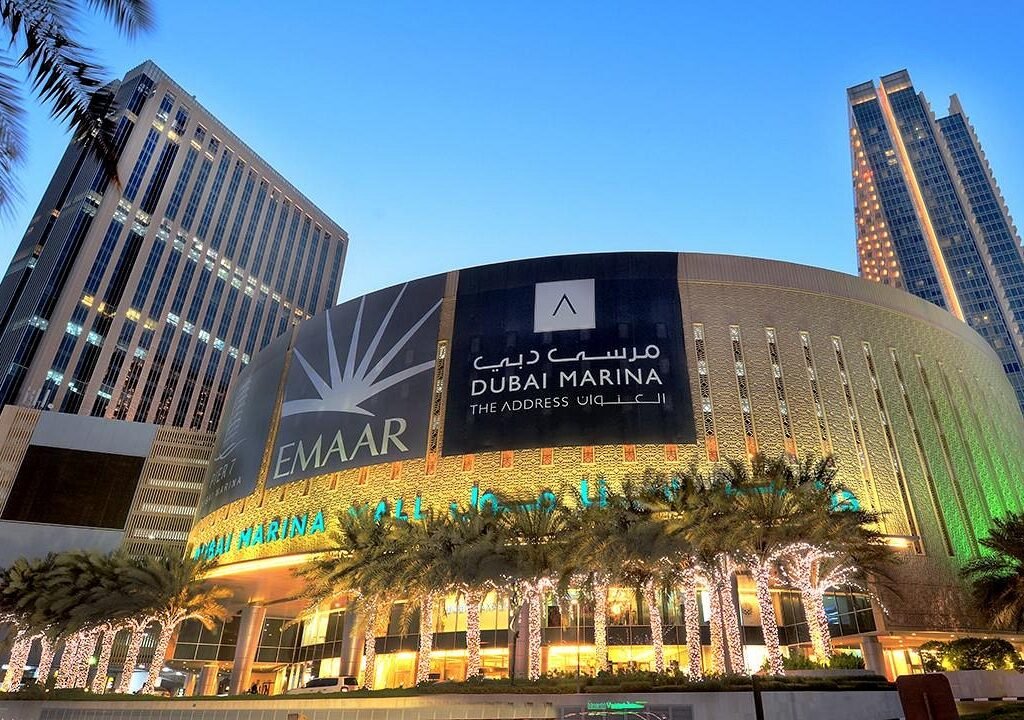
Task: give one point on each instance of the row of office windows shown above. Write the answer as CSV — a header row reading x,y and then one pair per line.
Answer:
x,y
209,391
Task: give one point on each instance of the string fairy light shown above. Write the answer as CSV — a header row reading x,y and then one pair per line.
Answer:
x,y
163,640
728,656
16,664
99,681
86,644
137,626
717,637
814,571
657,632
69,658
426,637
370,644
691,621
600,621
47,648
761,569
533,595
473,599
732,628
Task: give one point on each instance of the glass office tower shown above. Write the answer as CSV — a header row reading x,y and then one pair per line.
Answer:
x,y
141,300
930,217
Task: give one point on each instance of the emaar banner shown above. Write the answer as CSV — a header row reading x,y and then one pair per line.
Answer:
x,y
359,384
581,350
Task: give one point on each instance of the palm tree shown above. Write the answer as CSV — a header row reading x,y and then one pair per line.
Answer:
x,y
21,645
170,591
768,516
631,537
677,502
590,572
365,561
997,579
108,608
43,36
69,597
426,575
137,627
534,554
24,598
70,591
841,547
707,525
462,552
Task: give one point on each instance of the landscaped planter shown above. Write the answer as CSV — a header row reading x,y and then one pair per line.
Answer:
x,y
987,684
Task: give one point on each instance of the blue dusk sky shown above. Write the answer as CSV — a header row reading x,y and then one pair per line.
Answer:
x,y
441,135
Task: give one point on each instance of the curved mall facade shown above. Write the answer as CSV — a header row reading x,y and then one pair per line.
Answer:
x,y
559,374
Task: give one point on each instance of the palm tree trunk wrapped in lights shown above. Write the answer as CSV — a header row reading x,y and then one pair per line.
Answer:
x,y
600,622
131,658
717,634
814,571
534,595
47,650
94,637
163,641
726,642
426,637
16,664
733,637
69,659
650,593
86,645
473,599
691,621
99,681
817,623
762,572
372,610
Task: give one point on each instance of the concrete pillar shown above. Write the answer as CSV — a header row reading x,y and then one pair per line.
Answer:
x,y
874,658
245,651
352,642
190,685
207,685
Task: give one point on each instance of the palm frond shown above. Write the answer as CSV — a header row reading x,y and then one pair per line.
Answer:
x,y
12,136
131,17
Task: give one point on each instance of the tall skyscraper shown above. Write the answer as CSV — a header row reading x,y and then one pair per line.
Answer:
x,y
141,300
930,217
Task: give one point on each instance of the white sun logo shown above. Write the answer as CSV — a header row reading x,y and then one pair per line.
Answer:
x,y
346,392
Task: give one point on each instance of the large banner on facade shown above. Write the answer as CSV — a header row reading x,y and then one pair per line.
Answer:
x,y
581,350
359,385
245,428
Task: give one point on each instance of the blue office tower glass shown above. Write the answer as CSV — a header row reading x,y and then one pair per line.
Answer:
x,y
930,218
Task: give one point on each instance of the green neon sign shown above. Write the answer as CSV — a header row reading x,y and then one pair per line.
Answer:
x,y
615,706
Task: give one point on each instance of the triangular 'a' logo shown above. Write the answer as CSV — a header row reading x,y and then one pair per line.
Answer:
x,y
564,305
564,301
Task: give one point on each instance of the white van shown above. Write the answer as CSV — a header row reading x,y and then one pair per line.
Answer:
x,y
326,685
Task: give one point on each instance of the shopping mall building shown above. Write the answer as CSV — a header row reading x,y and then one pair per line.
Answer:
x,y
556,375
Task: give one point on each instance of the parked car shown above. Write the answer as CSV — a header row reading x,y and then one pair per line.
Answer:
x,y
326,685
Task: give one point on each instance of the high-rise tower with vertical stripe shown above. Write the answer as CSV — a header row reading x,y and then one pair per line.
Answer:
x,y
930,218
142,299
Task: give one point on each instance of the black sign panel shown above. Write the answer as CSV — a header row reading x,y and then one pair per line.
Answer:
x,y
581,350
245,427
359,385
